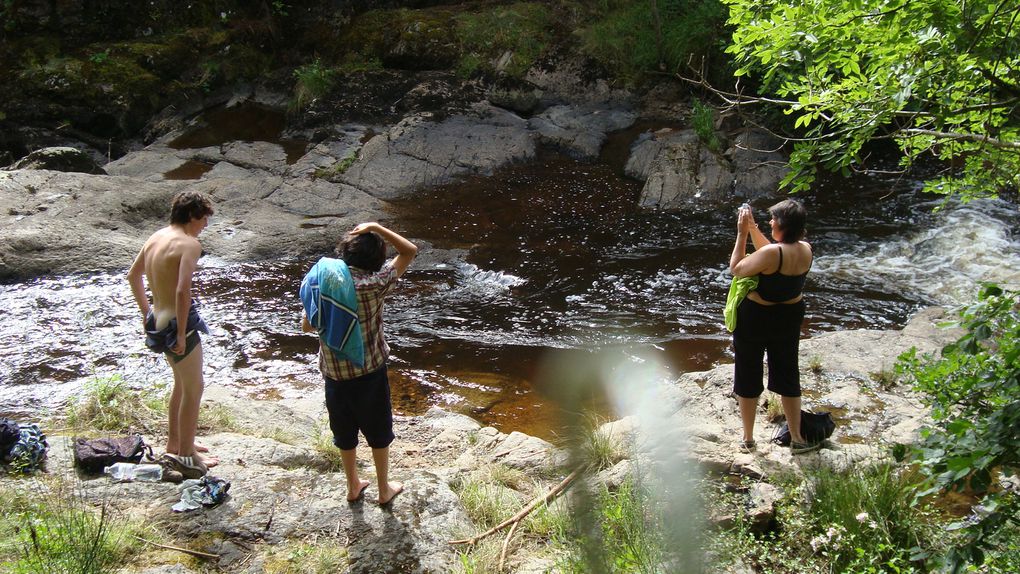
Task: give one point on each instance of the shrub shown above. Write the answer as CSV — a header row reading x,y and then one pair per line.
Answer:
x,y
622,531
631,39
865,520
522,29
973,390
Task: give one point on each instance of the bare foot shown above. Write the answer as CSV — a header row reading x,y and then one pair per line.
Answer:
x,y
392,489
360,490
208,461
198,448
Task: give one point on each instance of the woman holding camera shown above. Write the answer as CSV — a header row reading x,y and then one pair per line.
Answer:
x,y
770,317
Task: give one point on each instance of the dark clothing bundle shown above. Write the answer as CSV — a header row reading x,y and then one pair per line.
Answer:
x,y
27,451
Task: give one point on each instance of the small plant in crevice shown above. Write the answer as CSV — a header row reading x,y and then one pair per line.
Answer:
x,y
491,494
591,447
306,556
312,81
774,408
703,122
815,364
886,379
328,452
100,57
338,168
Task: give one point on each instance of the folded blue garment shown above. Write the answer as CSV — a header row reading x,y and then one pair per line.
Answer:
x,y
331,306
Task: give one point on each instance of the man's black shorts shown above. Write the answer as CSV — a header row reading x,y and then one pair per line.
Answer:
x,y
362,403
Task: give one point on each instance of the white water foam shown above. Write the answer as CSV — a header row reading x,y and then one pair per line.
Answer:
x,y
489,278
969,244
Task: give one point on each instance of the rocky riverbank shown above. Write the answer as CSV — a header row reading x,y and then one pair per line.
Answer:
x,y
284,494
61,212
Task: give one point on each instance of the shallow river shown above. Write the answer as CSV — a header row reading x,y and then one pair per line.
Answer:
x,y
561,266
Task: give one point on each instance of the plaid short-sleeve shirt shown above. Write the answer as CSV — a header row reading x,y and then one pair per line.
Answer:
x,y
371,289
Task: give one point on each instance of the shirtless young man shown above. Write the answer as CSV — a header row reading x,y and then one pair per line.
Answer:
x,y
167,261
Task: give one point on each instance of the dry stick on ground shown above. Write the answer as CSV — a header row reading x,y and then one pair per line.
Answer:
x,y
524,511
506,545
184,550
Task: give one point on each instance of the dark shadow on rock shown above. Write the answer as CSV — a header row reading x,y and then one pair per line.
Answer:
x,y
380,543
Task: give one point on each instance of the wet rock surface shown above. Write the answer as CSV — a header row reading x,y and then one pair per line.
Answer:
x,y
284,492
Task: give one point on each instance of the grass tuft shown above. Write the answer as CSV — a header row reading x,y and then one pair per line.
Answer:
x,y
322,441
110,404
48,526
309,557
312,81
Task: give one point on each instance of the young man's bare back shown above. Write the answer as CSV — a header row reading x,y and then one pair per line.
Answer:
x,y
167,263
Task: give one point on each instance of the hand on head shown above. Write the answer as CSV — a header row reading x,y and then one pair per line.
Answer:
x,y
363,228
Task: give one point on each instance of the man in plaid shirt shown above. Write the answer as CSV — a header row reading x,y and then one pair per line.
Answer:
x,y
358,397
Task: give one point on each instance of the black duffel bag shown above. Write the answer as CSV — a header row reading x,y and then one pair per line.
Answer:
x,y
92,455
814,427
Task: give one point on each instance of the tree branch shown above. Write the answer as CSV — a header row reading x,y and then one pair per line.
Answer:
x,y
523,512
994,142
189,551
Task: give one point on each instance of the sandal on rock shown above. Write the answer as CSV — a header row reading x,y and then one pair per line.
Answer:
x,y
186,465
803,447
748,446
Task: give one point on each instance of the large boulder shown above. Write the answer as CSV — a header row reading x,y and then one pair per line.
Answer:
x,y
59,159
418,153
580,131
680,170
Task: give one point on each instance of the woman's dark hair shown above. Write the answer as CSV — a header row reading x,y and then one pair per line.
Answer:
x,y
365,251
189,206
790,216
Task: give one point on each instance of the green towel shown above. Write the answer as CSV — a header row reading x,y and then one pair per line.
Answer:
x,y
739,288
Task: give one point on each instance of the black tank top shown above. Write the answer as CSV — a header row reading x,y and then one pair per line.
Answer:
x,y
776,287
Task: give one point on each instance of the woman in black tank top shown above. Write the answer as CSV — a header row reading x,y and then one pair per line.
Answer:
x,y
770,317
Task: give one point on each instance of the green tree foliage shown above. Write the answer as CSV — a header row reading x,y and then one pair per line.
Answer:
x,y
974,442
634,37
940,77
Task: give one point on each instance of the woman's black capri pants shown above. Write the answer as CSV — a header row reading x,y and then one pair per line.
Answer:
x,y
773,330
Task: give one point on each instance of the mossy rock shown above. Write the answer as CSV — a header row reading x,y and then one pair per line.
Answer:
x,y
112,89
505,39
406,39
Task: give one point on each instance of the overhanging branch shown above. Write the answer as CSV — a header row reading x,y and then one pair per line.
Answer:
x,y
977,138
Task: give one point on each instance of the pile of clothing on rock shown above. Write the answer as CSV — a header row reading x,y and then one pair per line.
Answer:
x,y
23,447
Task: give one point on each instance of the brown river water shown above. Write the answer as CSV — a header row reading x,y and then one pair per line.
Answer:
x,y
562,269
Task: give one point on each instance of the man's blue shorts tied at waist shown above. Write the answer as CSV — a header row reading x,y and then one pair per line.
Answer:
x,y
163,340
